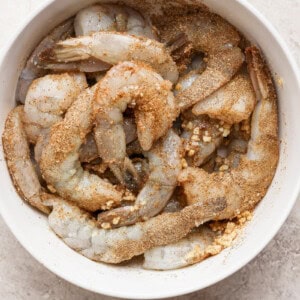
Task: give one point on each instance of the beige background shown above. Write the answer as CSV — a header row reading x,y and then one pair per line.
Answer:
x,y
274,274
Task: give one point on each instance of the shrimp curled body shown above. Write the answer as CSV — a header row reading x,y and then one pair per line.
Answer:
x,y
245,185
137,86
60,164
165,165
215,37
47,100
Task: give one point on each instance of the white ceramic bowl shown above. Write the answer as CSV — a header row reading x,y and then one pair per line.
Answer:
x,y
31,229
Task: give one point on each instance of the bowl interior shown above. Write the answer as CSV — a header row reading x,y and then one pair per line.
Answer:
x,y
131,281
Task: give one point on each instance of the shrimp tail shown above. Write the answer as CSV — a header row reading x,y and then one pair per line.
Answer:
x,y
67,51
125,170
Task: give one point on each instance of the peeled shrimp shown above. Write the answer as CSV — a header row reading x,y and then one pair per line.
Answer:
x,y
48,98
80,232
112,48
32,69
111,17
18,160
244,186
188,251
138,86
165,165
60,164
232,103
219,40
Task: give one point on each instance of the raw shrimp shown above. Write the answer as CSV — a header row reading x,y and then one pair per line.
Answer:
x,y
111,17
80,232
138,86
202,135
244,186
32,69
232,103
165,165
112,48
60,164
18,160
188,251
47,100
212,35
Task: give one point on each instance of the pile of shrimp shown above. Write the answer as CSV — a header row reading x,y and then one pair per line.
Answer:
x,y
139,135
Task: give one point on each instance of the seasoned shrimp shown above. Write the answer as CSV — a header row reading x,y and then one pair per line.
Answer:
x,y
112,48
48,98
188,251
18,160
244,186
111,17
201,136
165,165
138,86
219,40
80,232
232,103
60,164
32,69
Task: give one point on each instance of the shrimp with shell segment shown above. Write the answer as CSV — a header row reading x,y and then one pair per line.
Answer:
x,y
80,231
18,160
60,165
218,40
112,17
47,100
165,165
135,85
244,186
112,48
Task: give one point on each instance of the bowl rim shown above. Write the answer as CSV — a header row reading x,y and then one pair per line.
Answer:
x,y
247,257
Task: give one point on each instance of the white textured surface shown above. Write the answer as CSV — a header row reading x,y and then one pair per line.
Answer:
x,y
274,274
